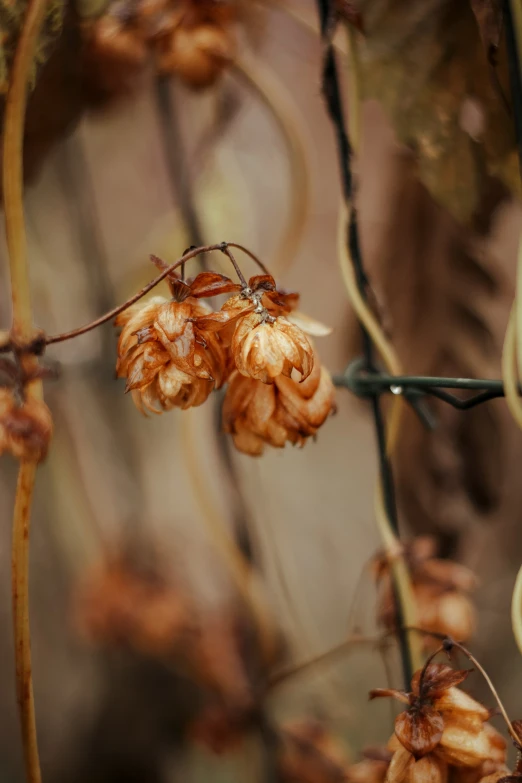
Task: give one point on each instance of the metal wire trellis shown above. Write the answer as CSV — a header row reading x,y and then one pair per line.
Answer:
x,y
362,377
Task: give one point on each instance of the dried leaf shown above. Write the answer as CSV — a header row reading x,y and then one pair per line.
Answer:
x,y
380,693
424,61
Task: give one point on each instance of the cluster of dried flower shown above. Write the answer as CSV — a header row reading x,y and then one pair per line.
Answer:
x,y
25,426
192,39
174,353
443,733
122,604
441,590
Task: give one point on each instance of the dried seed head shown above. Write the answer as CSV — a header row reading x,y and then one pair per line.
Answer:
x,y
258,414
168,362
443,721
198,55
440,588
26,428
264,347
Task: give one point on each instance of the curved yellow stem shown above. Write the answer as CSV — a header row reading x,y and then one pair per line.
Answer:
x,y
21,330
281,105
392,363
516,610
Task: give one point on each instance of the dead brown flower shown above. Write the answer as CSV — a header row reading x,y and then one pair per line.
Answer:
x,y
25,428
258,414
121,605
168,362
442,726
441,590
266,338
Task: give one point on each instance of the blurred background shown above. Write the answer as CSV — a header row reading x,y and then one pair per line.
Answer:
x,y
154,171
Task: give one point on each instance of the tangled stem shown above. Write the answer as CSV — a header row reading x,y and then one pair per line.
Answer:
x,y
189,254
22,330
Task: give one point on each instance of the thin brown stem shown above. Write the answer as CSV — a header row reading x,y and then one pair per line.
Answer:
x,y
192,253
339,650
251,255
226,251
22,637
492,688
22,330
60,338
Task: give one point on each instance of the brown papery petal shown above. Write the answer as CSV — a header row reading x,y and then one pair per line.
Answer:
x,y
399,766
262,283
211,284
456,701
429,769
437,677
419,730
461,747
380,693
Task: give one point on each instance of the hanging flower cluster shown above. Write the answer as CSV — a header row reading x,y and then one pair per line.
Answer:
x,y
441,589
174,353
192,39
25,427
443,731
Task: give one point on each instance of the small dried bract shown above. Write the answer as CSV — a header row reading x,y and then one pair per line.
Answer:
x,y
25,428
257,414
441,589
443,727
167,360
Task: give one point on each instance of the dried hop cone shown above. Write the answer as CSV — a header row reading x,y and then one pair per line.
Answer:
x,y
258,414
26,428
443,727
441,590
167,360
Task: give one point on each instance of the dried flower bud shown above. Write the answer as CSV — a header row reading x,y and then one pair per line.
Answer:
x,y
198,55
265,348
168,362
25,429
257,414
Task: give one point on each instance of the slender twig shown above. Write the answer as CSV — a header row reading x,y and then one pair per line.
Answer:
x,y
332,653
450,643
22,330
